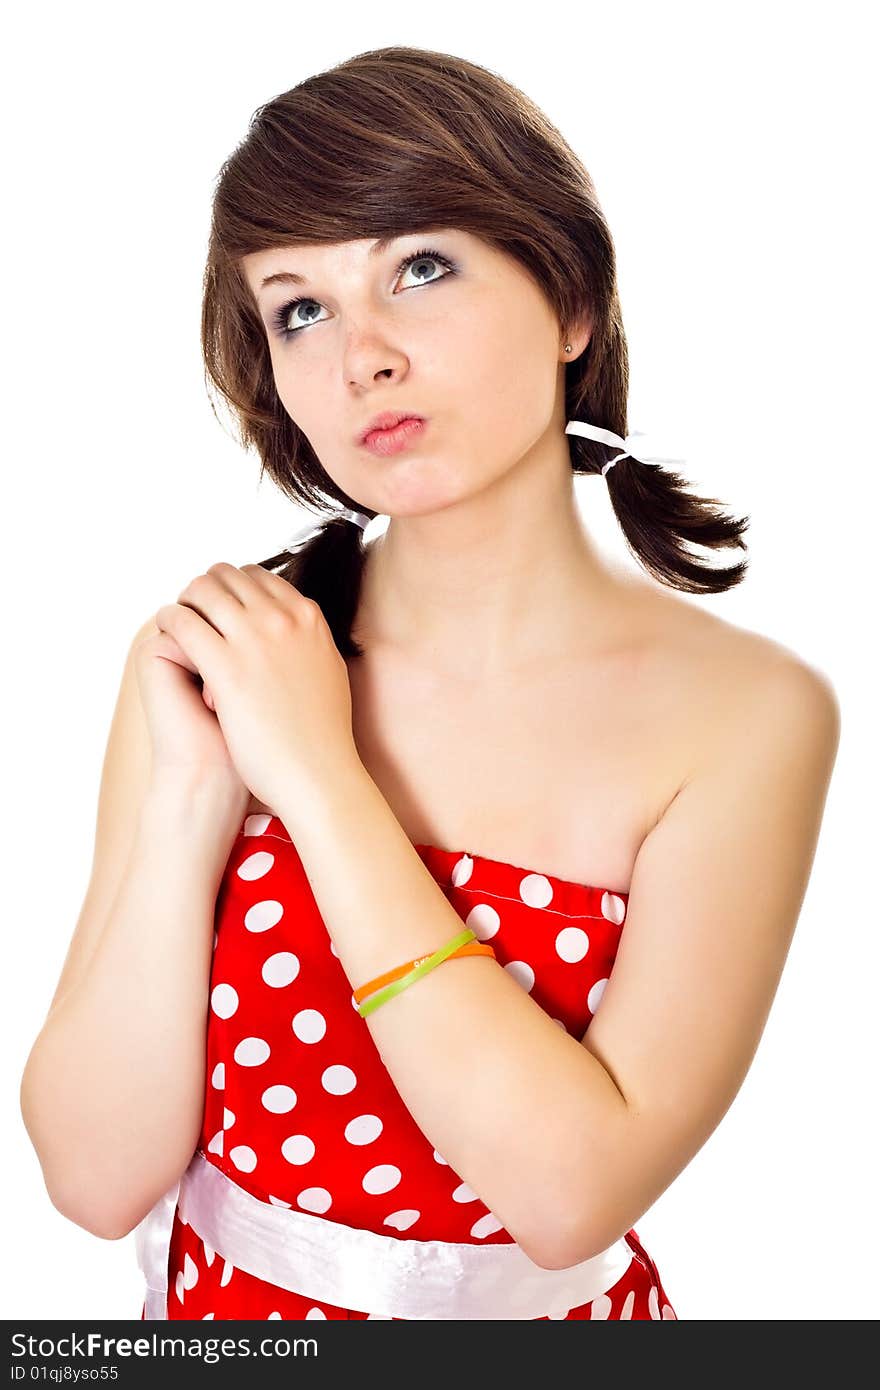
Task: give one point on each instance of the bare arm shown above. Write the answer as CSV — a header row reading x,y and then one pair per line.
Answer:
x,y
569,1142
714,902
112,1092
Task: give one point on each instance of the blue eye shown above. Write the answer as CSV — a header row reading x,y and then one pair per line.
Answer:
x,y
281,316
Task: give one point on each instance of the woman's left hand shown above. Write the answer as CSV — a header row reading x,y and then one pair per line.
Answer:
x,y
278,684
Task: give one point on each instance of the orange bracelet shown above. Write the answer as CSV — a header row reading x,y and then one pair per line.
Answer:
x,y
470,948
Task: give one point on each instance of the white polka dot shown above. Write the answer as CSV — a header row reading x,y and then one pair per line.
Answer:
x,y
522,973
244,1158
205,1316
613,907
483,921
402,1220
462,870
225,1277
572,944
486,1226
463,1193
363,1129
224,1001
316,1199
279,1099
216,1144
653,1302
626,1311
309,1025
438,1158
256,865
559,1022
333,950
314,1313
228,1118
209,1253
280,969
273,1315
256,823
298,1148
601,1306
214,947
251,1052
381,1178
263,915
594,997
178,1285
338,1080
278,1201
218,1076
669,1312
536,890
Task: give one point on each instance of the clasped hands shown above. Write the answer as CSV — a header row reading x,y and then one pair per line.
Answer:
x,y
278,684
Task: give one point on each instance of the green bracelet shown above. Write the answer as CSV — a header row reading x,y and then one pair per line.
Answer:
x,y
428,963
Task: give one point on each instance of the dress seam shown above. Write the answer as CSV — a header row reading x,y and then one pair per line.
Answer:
x,y
483,892
519,902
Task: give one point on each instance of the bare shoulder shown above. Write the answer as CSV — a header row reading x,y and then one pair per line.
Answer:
x,y
742,680
715,896
720,678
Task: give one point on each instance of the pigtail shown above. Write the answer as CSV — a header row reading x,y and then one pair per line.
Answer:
x,y
659,519
328,567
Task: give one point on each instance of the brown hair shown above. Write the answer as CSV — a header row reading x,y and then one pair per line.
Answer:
x,y
390,142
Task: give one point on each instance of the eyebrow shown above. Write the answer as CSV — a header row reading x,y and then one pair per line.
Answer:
x,y
289,277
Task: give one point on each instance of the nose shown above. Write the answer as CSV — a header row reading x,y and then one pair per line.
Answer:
x,y
371,357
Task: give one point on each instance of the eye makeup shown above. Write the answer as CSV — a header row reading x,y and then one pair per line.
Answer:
x,y
281,316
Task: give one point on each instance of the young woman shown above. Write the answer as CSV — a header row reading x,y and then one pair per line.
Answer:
x,y
442,883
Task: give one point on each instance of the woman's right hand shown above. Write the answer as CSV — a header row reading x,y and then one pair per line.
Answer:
x,y
184,729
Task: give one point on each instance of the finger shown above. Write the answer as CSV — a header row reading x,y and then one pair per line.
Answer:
x,y
258,588
275,585
246,589
263,577
198,639
215,601
163,644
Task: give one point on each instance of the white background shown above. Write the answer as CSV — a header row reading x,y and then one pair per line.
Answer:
x,y
730,149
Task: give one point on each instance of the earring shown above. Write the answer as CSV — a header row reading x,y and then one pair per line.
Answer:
x,y
568,347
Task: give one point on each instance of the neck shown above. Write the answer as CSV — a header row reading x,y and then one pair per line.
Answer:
x,y
486,588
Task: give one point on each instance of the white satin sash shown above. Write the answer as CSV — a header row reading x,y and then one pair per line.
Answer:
x,y
358,1269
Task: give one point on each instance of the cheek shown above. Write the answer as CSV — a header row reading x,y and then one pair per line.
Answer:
x,y
302,397
508,389
511,337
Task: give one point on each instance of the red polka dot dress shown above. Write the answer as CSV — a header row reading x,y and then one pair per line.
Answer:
x,y
300,1110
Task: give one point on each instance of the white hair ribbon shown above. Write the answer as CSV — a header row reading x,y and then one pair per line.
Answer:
x,y
359,518
609,437
312,529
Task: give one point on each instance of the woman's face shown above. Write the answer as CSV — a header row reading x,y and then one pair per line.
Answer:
x,y
460,335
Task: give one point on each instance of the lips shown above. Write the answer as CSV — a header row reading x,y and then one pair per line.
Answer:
x,y
388,442
387,421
